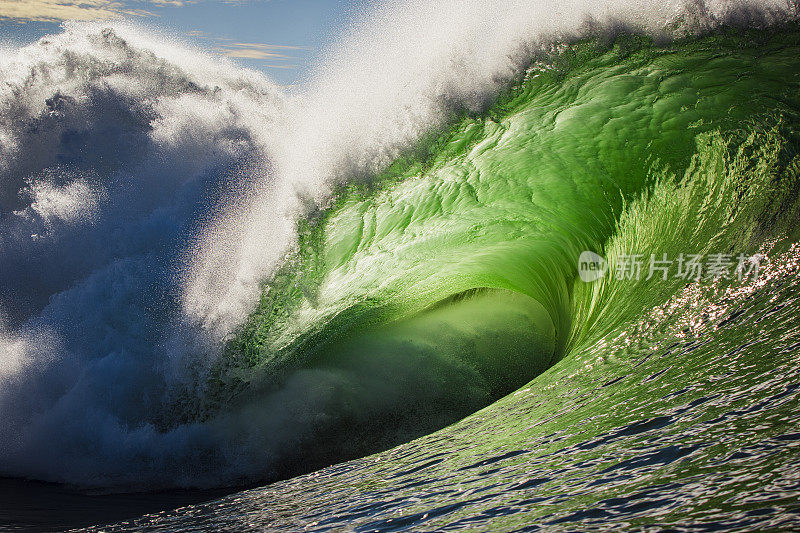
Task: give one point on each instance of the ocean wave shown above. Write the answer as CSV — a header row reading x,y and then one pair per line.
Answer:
x,y
209,280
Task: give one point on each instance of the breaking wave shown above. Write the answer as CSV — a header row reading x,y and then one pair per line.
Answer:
x,y
209,280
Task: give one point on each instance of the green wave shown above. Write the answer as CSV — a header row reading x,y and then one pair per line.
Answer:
x,y
451,279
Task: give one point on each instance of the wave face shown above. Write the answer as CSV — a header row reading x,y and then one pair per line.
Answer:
x,y
209,280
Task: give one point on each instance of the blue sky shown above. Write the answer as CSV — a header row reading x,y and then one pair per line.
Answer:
x,y
280,37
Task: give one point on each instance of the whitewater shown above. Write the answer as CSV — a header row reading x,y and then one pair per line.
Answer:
x,y
368,285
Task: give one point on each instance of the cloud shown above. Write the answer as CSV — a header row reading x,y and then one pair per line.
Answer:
x,y
57,10
249,53
258,51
